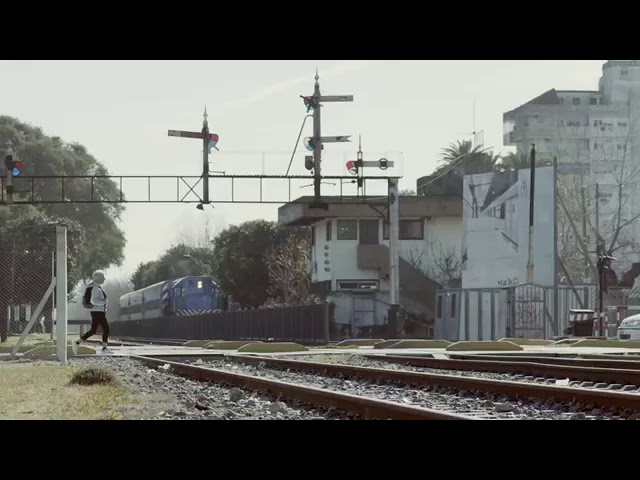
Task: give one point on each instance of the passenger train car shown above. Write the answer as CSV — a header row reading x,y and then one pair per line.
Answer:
x,y
182,297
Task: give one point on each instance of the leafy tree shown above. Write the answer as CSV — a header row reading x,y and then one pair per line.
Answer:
x,y
520,160
286,262
115,288
50,156
27,245
239,253
464,159
179,261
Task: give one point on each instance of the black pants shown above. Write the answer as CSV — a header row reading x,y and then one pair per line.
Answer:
x,y
98,319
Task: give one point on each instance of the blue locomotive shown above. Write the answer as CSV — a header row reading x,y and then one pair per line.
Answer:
x,y
185,296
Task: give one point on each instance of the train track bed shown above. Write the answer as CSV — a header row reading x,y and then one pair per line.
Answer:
x,y
167,396
585,376
471,403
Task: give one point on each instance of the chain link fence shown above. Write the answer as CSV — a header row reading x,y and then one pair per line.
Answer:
x,y
25,276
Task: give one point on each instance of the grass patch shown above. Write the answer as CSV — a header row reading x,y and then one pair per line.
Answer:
x,y
483,346
362,342
606,343
229,345
528,341
272,348
43,391
93,376
197,343
418,344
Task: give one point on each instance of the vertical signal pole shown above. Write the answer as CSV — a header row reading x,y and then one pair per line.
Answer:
x,y
209,141
205,159
317,139
394,255
316,142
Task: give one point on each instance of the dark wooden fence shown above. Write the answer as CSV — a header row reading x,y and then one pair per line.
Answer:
x,y
308,324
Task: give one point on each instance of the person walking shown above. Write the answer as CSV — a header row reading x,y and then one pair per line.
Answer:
x,y
95,299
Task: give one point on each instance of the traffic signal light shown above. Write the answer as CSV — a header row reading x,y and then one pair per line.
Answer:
x,y
309,143
13,166
310,103
308,162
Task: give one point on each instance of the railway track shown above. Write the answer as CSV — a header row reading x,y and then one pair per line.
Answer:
x,y
365,407
628,363
618,377
611,399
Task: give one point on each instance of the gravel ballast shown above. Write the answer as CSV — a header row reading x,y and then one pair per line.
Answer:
x,y
462,402
166,396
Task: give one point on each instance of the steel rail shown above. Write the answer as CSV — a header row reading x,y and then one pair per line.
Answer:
x,y
516,390
368,408
622,376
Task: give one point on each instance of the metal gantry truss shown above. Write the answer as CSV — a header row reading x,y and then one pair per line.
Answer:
x,y
31,190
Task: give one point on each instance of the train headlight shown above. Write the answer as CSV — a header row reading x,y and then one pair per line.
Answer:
x,y
199,284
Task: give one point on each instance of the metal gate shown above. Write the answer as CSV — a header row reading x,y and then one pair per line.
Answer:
x,y
525,311
528,312
364,312
543,312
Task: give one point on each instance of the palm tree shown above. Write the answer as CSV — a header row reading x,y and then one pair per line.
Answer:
x,y
464,159
520,160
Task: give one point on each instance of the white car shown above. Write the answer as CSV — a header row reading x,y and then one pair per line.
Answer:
x,y
629,329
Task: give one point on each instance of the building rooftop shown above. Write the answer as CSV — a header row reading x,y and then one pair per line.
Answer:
x,y
298,212
621,63
551,97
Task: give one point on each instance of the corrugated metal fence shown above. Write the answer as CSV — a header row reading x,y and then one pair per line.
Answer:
x,y
521,311
308,324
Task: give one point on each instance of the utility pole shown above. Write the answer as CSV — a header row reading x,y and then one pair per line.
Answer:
x,y
604,263
315,143
394,255
205,158
597,211
532,190
556,306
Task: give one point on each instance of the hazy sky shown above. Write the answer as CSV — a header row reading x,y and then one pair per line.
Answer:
x,y
121,111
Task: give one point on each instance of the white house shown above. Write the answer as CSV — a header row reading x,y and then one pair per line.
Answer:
x,y
350,255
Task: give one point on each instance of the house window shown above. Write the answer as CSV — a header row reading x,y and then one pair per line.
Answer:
x,y
561,100
329,227
352,285
619,147
595,146
593,101
313,236
576,101
439,307
347,230
622,124
409,230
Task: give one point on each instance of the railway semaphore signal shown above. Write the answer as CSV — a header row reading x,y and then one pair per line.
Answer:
x,y
315,143
209,141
